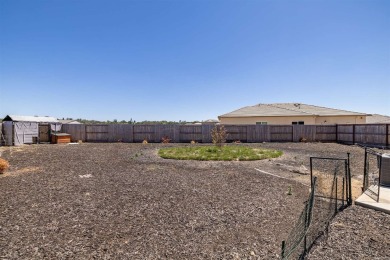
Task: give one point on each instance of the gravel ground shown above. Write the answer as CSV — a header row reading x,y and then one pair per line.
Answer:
x,y
356,233
123,201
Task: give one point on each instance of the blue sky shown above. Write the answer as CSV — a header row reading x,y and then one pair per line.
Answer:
x,y
191,60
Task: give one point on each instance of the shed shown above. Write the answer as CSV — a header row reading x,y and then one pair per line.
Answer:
x,y
18,130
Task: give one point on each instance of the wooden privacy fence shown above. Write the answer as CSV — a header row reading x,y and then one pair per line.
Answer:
x,y
377,134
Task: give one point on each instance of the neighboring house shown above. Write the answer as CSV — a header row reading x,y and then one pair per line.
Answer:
x,y
291,113
18,130
210,122
378,119
69,121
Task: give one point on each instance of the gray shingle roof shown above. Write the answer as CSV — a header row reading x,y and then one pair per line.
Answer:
x,y
378,119
289,109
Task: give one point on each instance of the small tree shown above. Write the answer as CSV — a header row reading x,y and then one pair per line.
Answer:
x,y
219,135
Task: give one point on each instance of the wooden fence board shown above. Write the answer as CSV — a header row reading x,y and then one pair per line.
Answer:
x,y
120,133
77,131
376,134
236,133
326,133
345,133
143,132
281,133
167,131
258,133
307,132
206,133
190,133
370,134
96,133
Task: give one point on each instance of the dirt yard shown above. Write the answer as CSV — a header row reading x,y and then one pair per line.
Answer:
x,y
123,201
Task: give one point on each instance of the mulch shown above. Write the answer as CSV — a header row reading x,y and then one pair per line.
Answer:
x,y
355,233
123,201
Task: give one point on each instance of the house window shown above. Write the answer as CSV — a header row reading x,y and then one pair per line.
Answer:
x,y
298,122
261,123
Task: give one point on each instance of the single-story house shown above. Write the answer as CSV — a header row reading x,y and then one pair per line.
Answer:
x,y
291,113
18,130
378,119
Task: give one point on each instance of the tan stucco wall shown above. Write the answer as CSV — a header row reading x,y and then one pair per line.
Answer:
x,y
331,120
282,120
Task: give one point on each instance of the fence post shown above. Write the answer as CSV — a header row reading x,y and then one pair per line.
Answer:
x,y
283,248
311,172
342,201
387,135
337,133
335,211
353,133
365,176
132,133
292,133
84,134
379,180
349,181
306,226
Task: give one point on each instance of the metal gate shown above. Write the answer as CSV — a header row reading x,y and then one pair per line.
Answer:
x,y
372,173
333,179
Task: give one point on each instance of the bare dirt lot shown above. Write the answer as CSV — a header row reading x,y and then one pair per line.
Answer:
x,y
123,201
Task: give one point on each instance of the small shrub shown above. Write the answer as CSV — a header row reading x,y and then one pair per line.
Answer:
x,y
145,141
4,165
237,142
165,140
302,140
219,135
289,190
193,142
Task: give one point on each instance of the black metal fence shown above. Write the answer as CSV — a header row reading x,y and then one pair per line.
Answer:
x,y
296,245
333,179
372,176
330,193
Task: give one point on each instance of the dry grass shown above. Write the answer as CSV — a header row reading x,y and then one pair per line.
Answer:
x,y
4,165
25,170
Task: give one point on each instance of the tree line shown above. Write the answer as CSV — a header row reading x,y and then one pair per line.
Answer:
x,y
131,121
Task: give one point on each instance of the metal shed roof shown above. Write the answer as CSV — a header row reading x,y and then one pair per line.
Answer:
x,y
39,119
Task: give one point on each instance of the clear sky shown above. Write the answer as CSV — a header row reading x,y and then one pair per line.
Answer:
x,y
191,60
